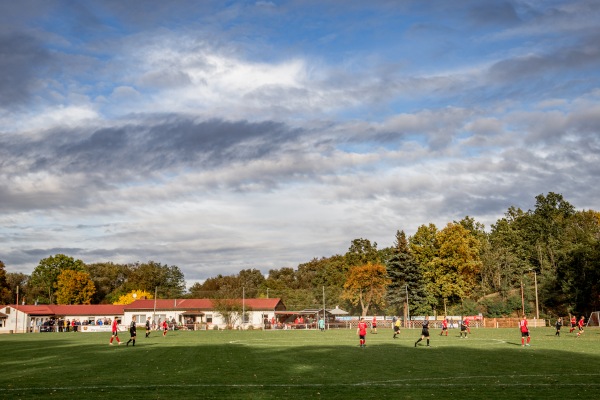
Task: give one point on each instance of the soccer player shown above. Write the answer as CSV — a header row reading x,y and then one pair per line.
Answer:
x,y
165,327
397,327
444,326
467,322
374,325
463,328
361,331
580,325
424,331
573,323
148,327
132,333
524,331
558,326
115,332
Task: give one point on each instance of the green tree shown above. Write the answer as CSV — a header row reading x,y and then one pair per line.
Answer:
x,y
74,287
578,274
231,311
45,275
423,247
5,293
406,280
454,273
20,280
361,252
109,280
168,281
366,286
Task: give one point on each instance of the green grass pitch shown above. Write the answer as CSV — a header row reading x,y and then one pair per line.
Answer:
x,y
301,364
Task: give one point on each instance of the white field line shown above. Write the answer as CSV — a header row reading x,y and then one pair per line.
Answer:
x,y
411,382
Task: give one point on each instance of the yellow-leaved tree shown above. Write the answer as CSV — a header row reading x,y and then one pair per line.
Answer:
x,y
366,285
74,287
134,295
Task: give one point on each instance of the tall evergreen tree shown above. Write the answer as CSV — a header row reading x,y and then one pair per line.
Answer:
x,y
406,278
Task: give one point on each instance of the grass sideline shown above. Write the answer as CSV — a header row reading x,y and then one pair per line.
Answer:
x,y
301,364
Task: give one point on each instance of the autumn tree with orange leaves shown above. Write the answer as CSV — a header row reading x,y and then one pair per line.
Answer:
x,y
366,285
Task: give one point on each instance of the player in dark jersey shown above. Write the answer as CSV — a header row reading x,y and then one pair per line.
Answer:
x,y
132,333
558,326
424,332
148,327
463,329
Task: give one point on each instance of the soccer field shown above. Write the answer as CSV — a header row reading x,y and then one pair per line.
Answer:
x,y
301,364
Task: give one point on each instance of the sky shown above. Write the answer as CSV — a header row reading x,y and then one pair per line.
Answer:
x,y
226,135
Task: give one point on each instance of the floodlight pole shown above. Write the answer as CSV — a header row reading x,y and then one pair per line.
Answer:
x,y
154,311
17,310
407,307
537,308
324,319
243,306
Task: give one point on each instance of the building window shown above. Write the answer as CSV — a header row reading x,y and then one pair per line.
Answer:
x,y
209,318
139,318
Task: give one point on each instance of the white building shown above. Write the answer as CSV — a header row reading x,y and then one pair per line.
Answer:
x,y
184,313
205,313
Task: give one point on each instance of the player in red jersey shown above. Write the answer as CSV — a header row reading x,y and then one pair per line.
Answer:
x,y
524,331
444,326
165,327
115,332
580,325
573,323
467,325
374,324
361,331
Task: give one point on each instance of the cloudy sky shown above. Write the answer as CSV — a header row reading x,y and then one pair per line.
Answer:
x,y
218,136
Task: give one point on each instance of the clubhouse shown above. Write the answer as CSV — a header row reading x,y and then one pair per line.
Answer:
x,y
181,313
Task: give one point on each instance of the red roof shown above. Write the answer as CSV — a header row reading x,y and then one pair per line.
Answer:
x,y
79,309
145,304
199,304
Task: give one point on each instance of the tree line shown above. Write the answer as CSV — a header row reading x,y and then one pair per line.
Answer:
x,y
551,252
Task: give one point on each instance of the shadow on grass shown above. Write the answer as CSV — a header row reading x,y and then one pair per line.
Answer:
x,y
273,367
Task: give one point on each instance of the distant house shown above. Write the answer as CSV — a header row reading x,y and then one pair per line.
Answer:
x,y
188,313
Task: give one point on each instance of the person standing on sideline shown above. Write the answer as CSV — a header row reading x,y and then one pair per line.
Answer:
x,y
165,327
444,326
361,331
424,331
573,323
115,332
396,327
558,326
580,325
321,324
524,331
148,327
374,325
132,333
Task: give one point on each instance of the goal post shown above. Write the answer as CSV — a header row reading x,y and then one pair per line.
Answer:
x,y
594,319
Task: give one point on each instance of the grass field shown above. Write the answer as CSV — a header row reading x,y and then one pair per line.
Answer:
x,y
301,364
